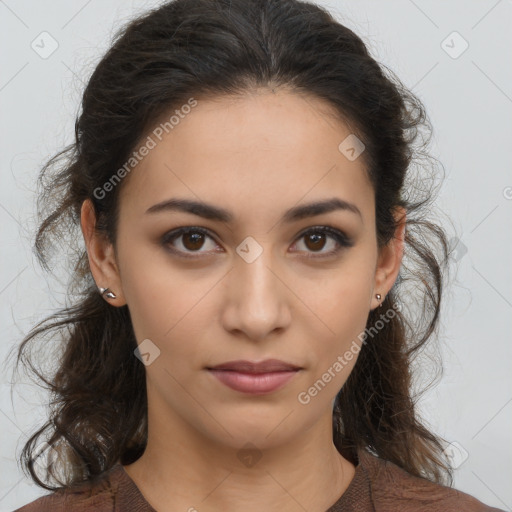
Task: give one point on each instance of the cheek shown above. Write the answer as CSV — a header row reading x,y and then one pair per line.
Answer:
x,y
167,307
342,305
335,357
341,299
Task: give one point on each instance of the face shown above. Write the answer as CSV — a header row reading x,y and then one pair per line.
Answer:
x,y
260,283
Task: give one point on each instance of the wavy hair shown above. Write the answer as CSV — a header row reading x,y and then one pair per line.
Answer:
x,y
210,48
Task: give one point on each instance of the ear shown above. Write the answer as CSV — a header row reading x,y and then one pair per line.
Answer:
x,y
390,259
101,255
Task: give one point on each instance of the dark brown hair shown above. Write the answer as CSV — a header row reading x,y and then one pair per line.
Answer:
x,y
211,48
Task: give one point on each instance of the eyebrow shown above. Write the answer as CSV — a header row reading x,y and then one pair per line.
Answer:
x,y
212,212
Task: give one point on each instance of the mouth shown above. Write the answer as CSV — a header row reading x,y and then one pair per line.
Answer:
x,y
255,378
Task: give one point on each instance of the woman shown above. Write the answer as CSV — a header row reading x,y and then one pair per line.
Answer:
x,y
240,179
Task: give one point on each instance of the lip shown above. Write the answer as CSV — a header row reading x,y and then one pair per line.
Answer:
x,y
254,383
255,377
266,366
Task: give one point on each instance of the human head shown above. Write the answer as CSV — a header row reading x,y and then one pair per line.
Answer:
x,y
297,50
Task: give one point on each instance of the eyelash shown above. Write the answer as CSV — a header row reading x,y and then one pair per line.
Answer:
x,y
342,240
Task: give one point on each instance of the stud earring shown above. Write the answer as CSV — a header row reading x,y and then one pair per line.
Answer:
x,y
379,296
109,294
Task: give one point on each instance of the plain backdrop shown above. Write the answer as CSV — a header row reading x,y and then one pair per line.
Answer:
x,y
455,55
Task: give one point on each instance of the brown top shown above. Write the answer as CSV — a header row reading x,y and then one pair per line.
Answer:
x,y
377,486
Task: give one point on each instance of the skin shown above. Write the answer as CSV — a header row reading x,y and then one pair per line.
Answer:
x,y
255,156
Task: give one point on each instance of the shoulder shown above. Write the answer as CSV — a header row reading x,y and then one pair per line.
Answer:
x,y
99,496
394,489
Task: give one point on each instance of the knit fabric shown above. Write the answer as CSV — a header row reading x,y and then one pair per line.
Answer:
x,y
377,486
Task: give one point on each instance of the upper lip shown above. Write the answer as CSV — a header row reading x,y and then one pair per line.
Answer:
x,y
267,366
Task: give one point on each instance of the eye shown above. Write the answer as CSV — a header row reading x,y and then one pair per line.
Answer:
x,y
193,239
314,239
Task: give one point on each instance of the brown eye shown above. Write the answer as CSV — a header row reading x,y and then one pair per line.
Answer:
x,y
187,241
315,240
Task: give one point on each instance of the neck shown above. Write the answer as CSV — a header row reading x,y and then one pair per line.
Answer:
x,y
182,469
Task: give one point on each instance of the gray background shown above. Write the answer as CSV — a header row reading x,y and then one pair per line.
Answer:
x,y
468,97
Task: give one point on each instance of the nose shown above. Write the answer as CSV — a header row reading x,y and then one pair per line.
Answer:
x,y
257,299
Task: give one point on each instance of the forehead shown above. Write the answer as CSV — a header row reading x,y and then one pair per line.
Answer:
x,y
262,152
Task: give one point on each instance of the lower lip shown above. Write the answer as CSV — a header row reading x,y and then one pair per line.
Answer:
x,y
254,383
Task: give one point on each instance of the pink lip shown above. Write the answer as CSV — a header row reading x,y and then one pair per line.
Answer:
x,y
253,383
266,366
